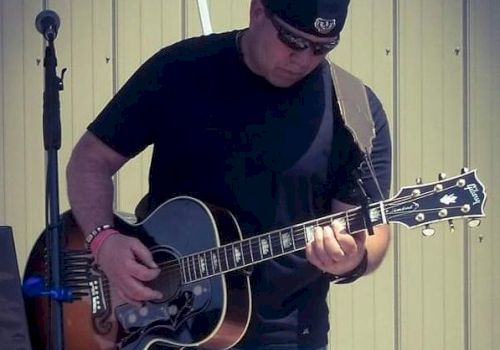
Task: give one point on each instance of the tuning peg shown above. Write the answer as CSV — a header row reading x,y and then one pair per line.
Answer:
x,y
452,226
418,180
464,170
441,176
428,231
474,222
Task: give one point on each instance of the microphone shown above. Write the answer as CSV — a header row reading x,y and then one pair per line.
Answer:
x,y
47,23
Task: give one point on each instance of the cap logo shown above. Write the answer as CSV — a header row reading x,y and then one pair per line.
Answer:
x,y
324,26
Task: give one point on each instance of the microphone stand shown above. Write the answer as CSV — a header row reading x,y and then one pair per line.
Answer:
x,y
52,143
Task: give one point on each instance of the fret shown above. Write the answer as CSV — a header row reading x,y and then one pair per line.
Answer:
x,y
184,271
230,257
247,251
215,260
292,236
299,237
192,277
195,265
223,259
256,254
382,212
276,243
208,262
348,224
286,241
271,245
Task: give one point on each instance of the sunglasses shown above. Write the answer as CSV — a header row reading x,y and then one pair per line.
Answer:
x,y
299,43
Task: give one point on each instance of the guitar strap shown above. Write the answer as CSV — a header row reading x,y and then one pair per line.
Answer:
x,y
354,107
356,114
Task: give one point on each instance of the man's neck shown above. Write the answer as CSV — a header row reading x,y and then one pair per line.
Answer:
x,y
245,42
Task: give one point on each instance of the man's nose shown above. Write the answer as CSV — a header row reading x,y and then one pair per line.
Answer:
x,y
303,58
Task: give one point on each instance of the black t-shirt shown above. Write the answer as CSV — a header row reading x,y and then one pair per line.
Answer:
x,y
272,156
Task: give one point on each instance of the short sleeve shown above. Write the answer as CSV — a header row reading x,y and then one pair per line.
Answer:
x,y
127,123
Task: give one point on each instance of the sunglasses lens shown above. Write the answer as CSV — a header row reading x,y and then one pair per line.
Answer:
x,y
292,41
323,49
299,44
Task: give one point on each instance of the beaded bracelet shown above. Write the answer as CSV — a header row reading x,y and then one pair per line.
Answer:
x,y
95,232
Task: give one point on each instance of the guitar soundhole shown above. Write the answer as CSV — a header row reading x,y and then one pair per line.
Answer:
x,y
170,278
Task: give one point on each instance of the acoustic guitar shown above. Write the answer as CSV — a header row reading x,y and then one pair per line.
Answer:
x,y
203,258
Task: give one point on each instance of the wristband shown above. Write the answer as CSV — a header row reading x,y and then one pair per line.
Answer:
x,y
98,240
352,275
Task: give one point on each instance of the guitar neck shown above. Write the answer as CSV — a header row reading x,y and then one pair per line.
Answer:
x,y
267,246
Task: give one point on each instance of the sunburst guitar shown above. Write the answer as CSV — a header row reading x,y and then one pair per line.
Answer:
x,y
203,258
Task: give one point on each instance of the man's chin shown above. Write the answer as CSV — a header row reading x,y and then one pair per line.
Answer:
x,y
283,81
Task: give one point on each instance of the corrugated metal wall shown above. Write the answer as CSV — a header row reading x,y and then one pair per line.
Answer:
x,y
434,64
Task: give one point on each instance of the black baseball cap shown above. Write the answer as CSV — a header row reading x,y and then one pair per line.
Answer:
x,y
322,18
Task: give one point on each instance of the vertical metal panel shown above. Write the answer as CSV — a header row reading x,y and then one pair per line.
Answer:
x,y
484,92
130,180
3,47
82,46
229,14
21,129
430,139
34,151
366,51
225,15
143,27
192,19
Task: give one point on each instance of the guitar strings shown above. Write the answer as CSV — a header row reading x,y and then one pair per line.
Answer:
x,y
299,236
299,230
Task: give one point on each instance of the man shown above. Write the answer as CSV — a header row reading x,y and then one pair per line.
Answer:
x,y
239,120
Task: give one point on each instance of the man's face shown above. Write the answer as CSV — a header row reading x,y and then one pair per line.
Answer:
x,y
283,54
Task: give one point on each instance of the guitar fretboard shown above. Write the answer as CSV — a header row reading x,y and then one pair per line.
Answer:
x,y
250,251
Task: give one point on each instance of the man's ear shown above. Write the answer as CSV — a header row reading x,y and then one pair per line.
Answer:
x,y
257,11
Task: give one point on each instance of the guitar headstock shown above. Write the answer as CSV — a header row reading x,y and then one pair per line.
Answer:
x,y
462,196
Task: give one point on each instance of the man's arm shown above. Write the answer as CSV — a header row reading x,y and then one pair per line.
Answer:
x,y
126,261
90,186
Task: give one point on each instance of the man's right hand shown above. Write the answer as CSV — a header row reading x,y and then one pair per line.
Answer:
x,y
127,264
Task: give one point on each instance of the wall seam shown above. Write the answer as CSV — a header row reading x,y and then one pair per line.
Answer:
x,y
396,162
466,155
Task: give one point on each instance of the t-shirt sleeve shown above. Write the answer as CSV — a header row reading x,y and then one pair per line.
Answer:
x,y
127,124
381,154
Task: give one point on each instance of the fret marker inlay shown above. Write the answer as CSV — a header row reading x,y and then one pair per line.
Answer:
x,y
374,214
264,247
203,265
215,261
309,234
287,240
237,255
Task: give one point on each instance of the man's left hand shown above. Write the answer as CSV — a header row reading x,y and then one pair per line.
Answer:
x,y
335,251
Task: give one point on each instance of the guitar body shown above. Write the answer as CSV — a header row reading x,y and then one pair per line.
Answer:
x,y
211,313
